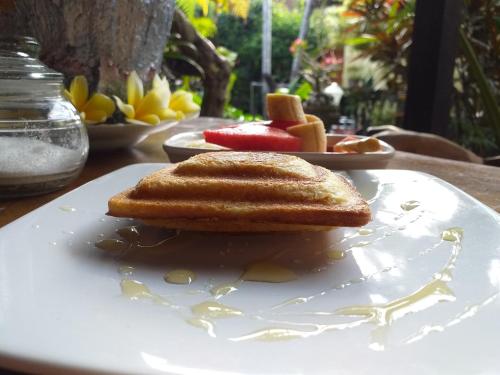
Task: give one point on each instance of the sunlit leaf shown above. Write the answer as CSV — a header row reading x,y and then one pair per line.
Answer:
x,y
230,56
360,40
240,8
205,26
394,9
187,7
304,90
232,79
204,6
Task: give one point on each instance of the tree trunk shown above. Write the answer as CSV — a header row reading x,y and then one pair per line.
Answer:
x,y
217,69
101,39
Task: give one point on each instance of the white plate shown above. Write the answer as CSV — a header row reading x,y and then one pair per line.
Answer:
x,y
61,307
115,136
177,150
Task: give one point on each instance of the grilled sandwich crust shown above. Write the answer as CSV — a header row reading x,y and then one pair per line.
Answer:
x,y
229,191
168,183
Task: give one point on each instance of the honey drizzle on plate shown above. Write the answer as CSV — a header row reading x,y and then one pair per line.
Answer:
x,y
380,315
437,290
179,276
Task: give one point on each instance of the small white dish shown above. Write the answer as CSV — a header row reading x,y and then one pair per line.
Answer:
x,y
122,135
104,137
178,150
62,309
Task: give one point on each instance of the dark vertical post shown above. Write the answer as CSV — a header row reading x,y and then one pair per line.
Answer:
x,y
430,70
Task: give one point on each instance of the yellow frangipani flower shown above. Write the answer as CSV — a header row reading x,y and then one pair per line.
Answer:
x,y
94,110
182,101
147,109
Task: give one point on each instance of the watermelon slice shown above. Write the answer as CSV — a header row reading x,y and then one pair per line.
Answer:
x,y
253,137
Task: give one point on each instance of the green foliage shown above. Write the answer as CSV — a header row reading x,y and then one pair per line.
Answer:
x,y
369,107
491,108
230,86
230,56
475,112
238,114
177,61
303,90
202,13
188,7
205,26
382,30
245,38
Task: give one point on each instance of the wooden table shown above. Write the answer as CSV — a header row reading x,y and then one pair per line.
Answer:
x,y
482,182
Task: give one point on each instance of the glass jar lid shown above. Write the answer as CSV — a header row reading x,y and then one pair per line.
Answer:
x,y
19,60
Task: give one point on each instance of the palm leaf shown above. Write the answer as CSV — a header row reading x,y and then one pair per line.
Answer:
x,y
240,8
204,6
361,40
187,7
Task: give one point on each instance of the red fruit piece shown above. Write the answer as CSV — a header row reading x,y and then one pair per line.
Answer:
x,y
253,137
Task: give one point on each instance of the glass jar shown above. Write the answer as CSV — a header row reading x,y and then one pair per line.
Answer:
x,y
43,142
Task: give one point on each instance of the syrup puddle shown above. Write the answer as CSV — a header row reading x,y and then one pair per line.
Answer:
x,y
133,238
214,310
280,334
179,277
365,231
131,233
383,315
112,245
411,217
348,283
268,270
336,254
134,290
224,289
468,312
430,294
67,208
205,324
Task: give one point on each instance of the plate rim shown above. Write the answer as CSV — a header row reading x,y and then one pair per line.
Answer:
x,y
26,363
387,153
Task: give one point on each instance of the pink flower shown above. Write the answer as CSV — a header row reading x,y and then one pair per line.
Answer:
x,y
330,59
297,43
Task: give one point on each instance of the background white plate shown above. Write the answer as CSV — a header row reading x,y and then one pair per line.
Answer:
x,y
61,307
114,136
177,150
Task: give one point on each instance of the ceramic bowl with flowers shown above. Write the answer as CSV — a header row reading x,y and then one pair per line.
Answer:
x,y
115,123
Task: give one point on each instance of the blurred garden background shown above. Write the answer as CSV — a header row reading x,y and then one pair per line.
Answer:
x,y
351,61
